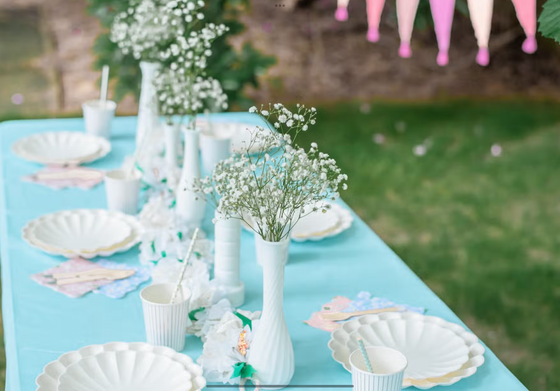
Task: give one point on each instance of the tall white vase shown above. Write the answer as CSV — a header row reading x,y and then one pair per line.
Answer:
x,y
271,352
227,253
261,248
172,136
148,105
190,205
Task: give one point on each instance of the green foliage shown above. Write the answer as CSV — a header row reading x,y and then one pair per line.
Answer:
x,y
549,21
234,69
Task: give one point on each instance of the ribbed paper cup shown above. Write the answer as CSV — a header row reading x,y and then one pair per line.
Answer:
x,y
388,369
166,324
122,190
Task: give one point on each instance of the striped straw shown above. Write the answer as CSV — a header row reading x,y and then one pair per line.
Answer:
x,y
364,354
184,268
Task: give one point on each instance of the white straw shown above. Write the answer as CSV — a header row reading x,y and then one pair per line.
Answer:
x,y
184,268
104,83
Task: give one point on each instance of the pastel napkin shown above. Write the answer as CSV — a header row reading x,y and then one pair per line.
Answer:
x,y
72,290
364,301
64,177
119,288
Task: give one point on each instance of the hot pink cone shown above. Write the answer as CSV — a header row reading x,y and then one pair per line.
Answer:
x,y
527,14
341,14
406,13
481,18
442,13
374,11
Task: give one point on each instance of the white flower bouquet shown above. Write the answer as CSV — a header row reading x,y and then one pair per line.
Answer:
x,y
279,187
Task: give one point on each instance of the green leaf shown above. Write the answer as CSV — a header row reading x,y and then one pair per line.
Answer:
x,y
549,21
246,321
180,235
153,246
192,314
163,254
243,370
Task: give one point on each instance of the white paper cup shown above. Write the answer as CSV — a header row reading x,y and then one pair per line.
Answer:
x,y
214,148
388,369
98,117
122,190
166,324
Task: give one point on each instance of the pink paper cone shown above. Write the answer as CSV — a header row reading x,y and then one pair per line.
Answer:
x,y
442,12
481,18
406,13
341,13
527,14
374,11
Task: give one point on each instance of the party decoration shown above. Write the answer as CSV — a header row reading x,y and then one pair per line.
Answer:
x,y
118,289
527,14
406,13
363,301
67,177
341,13
374,11
481,18
442,13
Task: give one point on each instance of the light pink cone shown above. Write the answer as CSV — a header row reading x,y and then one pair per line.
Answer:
x,y
481,18
442,13
527,14
341,13
374,11
406,13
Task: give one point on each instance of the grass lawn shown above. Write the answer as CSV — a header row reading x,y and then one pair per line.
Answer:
x,y
481,230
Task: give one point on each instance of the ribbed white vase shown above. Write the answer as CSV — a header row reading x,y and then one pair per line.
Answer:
x,y
147,106
261,247
271,352
190,205
172,137
227,253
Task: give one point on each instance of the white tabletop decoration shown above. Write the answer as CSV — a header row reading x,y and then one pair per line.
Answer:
x,y
277,190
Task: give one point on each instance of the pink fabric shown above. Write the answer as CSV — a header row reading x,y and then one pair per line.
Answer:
x,y
83,178
527,15
442,13
72,290
374,11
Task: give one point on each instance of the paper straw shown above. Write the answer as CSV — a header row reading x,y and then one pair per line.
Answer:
x,y
104,83
364,354
184,268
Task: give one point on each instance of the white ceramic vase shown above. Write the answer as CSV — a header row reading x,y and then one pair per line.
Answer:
x,y
190,205
148,106
261,248
172,136
227,253
214,148
272,353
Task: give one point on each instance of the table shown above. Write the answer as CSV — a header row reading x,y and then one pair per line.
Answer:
x,y
40,324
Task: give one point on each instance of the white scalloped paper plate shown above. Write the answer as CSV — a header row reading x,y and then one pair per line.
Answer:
x,y
53,372
344,222
61,148
340,350
87,232
126,370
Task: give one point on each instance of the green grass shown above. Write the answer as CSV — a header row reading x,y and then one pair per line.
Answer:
x,y
481,231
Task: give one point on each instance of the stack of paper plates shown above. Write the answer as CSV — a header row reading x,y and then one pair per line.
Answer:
x,y
438,352
84,232
124,367
61,148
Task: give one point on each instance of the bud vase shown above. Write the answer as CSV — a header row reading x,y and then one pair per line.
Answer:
x,y
148,105
190,205
261,247
172,137
271,353
227,252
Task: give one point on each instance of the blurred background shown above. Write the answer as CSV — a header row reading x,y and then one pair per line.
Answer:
x,y
456,168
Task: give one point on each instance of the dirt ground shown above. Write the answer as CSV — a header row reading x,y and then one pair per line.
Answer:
x,y
320,58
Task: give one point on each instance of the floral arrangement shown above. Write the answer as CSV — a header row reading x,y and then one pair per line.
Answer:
x,y
225,352
271,191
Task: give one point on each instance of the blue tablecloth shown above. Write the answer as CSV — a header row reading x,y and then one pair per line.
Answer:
x,y
40,324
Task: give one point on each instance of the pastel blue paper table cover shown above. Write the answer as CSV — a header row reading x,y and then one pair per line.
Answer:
x,y
40,324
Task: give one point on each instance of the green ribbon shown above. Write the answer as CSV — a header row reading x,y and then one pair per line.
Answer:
x,y
243,370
